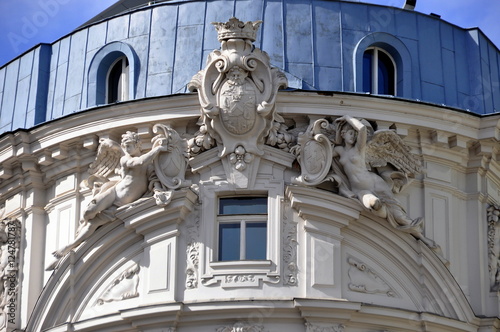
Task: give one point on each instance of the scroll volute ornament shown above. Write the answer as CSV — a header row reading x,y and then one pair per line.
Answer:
x,y
237,91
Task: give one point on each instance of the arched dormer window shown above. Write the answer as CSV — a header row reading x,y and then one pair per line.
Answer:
x,y
375,56
112,75
117,81
379,72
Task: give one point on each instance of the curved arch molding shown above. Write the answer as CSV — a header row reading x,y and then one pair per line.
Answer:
x,y
99,66
397,49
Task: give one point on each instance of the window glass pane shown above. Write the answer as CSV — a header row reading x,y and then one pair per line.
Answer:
x,y
367,71
256,235
123,88
114,82
385,74
243,205
229,242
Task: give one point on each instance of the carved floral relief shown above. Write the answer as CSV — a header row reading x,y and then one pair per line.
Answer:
x,y
240,278
289,248
193,250
493,214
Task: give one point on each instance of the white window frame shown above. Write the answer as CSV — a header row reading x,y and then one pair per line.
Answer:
x,y
242,220
124,96
212,270
374,68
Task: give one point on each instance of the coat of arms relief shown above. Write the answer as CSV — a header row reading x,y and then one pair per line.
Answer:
x,y
237,91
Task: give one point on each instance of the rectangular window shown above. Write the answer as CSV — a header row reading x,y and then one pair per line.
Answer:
x,y
242,223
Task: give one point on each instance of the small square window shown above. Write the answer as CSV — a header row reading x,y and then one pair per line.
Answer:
x,y
242,223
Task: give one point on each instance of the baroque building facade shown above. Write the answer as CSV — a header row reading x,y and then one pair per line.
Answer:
x,y
252,166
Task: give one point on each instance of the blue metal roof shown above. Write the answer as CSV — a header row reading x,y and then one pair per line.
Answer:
x,y
317,43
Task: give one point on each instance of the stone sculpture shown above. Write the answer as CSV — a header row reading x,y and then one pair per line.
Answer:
x,y
237,90
366,165
121,175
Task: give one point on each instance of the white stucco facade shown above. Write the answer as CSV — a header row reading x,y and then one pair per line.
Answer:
x,y
332,263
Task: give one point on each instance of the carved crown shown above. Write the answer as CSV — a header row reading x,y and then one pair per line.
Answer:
x,y
234,28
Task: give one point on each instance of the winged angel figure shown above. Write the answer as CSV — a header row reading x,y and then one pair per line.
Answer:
x,y
120,175
366,165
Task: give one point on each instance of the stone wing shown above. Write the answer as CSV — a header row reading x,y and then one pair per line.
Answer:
x,y
386,148
107,160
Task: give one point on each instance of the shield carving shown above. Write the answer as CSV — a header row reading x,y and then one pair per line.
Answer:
x,y
314,154
170,165
314,158
238,111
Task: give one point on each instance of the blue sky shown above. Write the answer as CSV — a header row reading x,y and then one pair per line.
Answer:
x,y
25,23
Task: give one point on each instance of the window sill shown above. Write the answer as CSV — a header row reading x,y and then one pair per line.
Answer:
x,y
234,274
257,265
